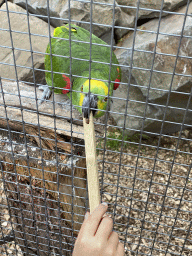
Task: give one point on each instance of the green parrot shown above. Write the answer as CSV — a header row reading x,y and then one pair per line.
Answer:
x,y
87,95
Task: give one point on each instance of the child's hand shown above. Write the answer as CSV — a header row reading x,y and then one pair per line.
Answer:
x,y
96,237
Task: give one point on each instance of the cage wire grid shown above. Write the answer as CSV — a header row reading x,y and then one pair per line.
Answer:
x,y
141,205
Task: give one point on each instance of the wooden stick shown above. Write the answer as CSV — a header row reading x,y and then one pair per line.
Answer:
x,y
91,160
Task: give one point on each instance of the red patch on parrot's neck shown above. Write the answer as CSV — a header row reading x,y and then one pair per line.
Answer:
x,y
116,85
67,88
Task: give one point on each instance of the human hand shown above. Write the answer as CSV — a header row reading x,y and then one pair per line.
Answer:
x,y
96,237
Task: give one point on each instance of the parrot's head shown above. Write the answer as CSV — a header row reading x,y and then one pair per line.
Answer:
x,y
94,100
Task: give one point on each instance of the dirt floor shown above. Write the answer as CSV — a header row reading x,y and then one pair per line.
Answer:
x,y
149,191
155,187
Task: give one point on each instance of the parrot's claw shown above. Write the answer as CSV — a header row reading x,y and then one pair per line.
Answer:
x,y
46,93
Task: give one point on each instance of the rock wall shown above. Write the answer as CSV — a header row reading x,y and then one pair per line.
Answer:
x,y
102,12
22,42
153,87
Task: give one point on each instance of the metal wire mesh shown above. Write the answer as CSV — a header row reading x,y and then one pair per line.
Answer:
x,y
146,180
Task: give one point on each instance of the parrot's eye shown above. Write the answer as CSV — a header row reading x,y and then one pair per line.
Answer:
x,y
74,28
82,88
105,99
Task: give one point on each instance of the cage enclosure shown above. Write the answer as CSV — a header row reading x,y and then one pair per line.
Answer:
x,y
134,58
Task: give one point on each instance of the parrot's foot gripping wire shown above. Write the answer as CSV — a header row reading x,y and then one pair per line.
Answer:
x,y
46,93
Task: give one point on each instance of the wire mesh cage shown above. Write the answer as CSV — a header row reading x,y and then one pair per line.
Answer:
x,y
143,132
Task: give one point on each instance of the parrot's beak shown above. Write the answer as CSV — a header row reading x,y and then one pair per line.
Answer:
x,y
89,104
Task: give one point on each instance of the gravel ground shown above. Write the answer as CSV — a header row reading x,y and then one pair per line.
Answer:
x,y
147,186
8,249
141,192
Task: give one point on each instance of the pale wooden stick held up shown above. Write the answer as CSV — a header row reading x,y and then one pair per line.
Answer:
x,y
91,160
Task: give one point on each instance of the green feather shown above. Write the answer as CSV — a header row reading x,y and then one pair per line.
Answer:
x,y
60,45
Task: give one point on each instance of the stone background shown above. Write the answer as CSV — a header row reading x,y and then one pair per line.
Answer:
x,y
144,85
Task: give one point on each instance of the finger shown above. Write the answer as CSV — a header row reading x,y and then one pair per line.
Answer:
x,y
92,223
105,228
120,250
83,225
113,240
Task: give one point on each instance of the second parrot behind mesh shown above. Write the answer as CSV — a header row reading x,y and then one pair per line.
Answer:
x,y
83,99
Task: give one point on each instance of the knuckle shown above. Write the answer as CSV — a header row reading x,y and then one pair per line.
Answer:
x,y
90,219
116,236
108,220
109,251
84,241
99,246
